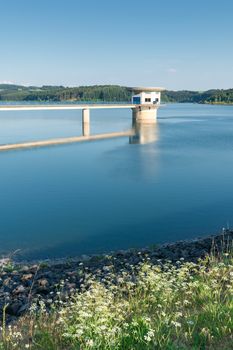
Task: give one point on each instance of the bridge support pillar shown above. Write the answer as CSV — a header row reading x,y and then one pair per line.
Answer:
x,y
145,114
86,121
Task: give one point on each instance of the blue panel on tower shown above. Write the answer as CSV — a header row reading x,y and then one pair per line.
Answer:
x,y
136,100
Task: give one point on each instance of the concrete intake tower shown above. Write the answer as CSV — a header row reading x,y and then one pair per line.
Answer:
x,y
146,101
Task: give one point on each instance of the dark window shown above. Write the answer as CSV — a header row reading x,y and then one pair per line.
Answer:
x,y
147,99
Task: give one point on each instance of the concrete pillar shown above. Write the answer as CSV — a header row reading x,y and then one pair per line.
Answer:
x,y
86,121
145,114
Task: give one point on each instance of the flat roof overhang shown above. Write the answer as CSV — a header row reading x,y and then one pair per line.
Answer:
x,y
139,89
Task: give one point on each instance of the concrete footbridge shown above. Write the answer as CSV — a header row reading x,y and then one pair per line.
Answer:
x,y
43,107
144,105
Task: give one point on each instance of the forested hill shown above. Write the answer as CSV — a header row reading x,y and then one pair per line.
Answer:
x,y
105,93
210,96
60,93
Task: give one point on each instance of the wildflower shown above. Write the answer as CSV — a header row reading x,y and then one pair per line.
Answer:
x,y
90,342
150,334
79,332
205,331
190,322
176,324
148,319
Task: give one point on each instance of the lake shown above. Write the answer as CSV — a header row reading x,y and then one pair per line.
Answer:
x,y
171,181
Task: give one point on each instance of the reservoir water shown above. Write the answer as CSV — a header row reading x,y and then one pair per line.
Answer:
x,y
171,181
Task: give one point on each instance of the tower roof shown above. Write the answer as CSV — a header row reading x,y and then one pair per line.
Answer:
x,y
147,89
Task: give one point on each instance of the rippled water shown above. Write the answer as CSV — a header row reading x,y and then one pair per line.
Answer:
x,y
171,181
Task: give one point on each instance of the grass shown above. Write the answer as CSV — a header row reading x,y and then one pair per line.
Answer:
x,y
170,307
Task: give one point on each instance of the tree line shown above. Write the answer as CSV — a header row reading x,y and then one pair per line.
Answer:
x,y
105,93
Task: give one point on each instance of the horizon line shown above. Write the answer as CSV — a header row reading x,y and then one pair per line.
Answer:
x,y
79,86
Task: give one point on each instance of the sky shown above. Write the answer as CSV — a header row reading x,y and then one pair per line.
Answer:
x,y
177,44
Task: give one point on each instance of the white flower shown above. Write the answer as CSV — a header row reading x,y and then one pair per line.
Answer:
x,y
176,324
102,327
150,334
79,332
90,342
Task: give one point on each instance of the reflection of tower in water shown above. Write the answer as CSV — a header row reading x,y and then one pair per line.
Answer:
x,y
147,164
144,133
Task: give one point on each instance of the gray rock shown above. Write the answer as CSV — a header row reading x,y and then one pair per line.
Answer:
x,y
19,289
27,277
24,268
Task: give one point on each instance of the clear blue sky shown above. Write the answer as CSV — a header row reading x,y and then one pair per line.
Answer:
x,y
179,44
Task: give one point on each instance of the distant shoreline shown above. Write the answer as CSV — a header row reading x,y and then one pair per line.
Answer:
x,y
106,93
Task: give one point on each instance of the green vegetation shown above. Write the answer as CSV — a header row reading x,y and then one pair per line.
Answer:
x,y
210,96
186,306
95,93
106,93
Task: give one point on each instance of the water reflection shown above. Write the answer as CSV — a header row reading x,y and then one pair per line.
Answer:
x,y
144,133
119,193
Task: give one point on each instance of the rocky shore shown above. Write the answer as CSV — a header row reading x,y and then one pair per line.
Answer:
x,y
22,285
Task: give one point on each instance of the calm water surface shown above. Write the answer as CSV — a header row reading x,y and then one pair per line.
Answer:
x,y
172,181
